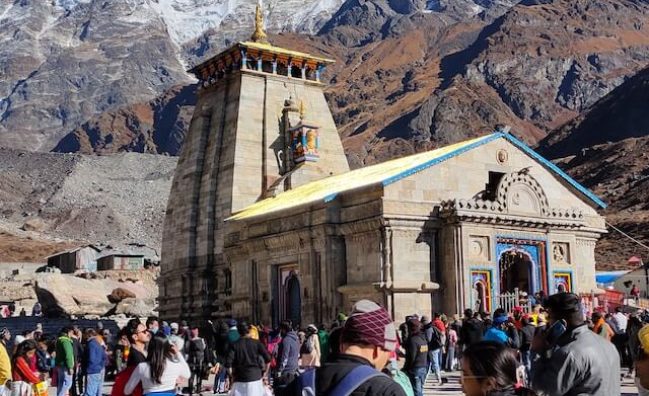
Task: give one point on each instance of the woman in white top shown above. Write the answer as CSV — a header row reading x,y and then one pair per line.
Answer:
x,y
310,350
160,373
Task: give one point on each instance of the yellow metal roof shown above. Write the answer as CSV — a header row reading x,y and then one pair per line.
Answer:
x,y
325,190
279,50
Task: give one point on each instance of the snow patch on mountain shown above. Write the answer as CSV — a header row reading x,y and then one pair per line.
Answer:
x,y
70,4
188,19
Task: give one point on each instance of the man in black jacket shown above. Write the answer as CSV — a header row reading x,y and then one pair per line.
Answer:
x,y
416,365
244,363
527,335
472,329
368,338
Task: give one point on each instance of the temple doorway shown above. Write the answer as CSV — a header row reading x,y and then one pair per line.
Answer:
x,y
515,271
287,293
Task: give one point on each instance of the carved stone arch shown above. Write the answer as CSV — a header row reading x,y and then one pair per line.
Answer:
x,y
520,192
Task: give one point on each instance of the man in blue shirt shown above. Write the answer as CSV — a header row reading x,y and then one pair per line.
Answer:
x,y
503,332
95,364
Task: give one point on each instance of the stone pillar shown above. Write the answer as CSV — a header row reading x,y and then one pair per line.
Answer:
x,y
244,60
275,65
318,71
260,64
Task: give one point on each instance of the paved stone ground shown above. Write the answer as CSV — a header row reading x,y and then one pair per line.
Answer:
x,y
450,387
453,386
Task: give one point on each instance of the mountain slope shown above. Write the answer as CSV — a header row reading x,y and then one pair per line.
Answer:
x,y
67,61
534,68
114,199
620,115
607,149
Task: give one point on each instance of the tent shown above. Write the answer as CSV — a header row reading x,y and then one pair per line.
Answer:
x,y
609,277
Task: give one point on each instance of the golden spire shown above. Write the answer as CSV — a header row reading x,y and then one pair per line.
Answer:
x,y
302,110
259,36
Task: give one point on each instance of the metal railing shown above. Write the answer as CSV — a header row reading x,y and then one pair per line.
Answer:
x,y
508,301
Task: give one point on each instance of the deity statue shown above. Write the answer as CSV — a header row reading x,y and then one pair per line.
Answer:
x,y
312,141
259,36
559,254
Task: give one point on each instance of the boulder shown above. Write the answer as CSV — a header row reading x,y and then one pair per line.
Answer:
x,y
136,307
67,294
34,224
119,294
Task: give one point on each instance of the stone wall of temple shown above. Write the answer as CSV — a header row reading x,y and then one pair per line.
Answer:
x,y
192,239
230,157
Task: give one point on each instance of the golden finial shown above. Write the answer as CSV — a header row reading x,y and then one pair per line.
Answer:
x,y
302,110
259,36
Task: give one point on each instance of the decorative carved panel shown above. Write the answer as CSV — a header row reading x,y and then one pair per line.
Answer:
x,y
479,248
522,199
561,253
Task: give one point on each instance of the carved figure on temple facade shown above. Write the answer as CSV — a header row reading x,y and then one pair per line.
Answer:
x,y
559,253
305,139
298,146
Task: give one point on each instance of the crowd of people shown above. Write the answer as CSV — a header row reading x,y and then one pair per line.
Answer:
x,y
552,350
9,310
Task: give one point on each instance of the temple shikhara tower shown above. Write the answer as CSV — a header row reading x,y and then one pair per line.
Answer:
x,y
266,222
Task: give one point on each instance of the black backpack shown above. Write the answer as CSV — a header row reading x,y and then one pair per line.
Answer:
x,y
435,341
307,346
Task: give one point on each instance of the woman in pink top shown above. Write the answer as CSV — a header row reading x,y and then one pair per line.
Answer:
x,y
451,347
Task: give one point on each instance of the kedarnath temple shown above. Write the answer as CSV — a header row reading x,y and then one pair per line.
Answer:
x,y
266,221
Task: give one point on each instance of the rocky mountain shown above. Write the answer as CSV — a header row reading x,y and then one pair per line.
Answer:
x,y
534,68
607,149
63,199
65,62
533,65
100,77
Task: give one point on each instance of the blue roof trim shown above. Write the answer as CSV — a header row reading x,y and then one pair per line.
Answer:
x,y
497,135
330,197
555,169
443,158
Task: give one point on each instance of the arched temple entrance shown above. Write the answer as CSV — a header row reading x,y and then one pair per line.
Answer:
x,y
516,271
522,265
293,301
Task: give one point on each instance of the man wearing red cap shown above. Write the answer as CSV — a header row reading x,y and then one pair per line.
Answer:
x,y
367,339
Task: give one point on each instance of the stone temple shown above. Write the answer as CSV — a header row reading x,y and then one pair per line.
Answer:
x,y
266,221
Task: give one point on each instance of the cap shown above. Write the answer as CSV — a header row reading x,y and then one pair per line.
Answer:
x,y
174,326
500,319
563,303
425,320
369,323
231,322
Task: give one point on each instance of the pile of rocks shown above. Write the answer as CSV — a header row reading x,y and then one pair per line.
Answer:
x,y
101,294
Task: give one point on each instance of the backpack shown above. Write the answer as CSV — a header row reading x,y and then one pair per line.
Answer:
x,y
436,339
307,346
42,361
196,352
350,382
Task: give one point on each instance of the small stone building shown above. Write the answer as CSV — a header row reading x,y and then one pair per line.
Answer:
x,y
265,221
119,261
80,258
